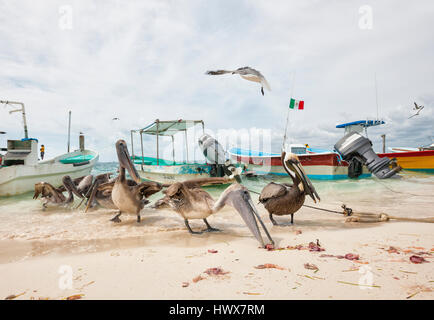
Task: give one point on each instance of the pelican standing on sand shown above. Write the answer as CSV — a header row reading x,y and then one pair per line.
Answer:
x,y
246,73
130,197
284,199
192,202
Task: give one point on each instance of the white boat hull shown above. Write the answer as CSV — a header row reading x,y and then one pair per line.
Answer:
x,y
170,174
20,179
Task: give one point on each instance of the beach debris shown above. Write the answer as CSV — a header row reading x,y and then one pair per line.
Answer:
x,y
215,271
75,296
252,293
311,267
357,284
269,247
297,232
408,272
269,266
212,251
197,279
352,256
419,289
351,269
310,277
315,246
417,259
13,296
392,250
185,284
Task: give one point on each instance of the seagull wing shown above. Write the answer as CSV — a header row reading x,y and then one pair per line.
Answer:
x,y
265,84
218,72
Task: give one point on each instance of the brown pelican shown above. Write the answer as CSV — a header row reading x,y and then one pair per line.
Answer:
x,y
246,73
52,195
283,199
80,186
130,196
192,202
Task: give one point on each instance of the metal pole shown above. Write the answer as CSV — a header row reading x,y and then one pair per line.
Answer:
x,y
287,115
141,142
173,149
23,111
132,144
186,144
69,130
158,131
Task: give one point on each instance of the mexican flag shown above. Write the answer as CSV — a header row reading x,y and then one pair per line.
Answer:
x,y
297,104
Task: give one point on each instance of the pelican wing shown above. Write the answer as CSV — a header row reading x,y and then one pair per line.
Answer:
x,y
47,191
200,182
272,190
148,188
218,72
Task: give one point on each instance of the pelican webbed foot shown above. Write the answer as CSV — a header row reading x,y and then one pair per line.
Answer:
x,y
189,228
138,218
116,218
275,223
209,228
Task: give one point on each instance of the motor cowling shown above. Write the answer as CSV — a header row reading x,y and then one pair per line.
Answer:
x,y
216,155
354,146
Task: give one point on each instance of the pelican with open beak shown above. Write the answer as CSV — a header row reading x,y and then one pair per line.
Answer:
x,y
192,202
283,199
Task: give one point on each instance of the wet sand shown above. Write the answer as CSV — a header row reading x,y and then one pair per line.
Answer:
x,y
159,259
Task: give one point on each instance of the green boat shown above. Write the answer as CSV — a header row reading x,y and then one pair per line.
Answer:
x,y
165,170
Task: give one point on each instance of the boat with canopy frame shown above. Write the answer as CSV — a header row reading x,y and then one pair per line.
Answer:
x,y
164,170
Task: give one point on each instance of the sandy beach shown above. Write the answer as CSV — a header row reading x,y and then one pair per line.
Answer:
x,y
159,259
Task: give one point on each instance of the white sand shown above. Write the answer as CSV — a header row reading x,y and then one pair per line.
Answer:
x,y
154,266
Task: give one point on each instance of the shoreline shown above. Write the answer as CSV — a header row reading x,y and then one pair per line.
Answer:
x,y
146,268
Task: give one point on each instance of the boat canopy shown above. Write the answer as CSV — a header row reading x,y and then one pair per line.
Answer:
x,y
165,128
363,123
169,128
359,126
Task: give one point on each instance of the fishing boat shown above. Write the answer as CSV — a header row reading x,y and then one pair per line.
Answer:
x,y
165,170
413,159
318,164
20,167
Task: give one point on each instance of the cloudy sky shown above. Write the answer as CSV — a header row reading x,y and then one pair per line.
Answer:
x,y
142,60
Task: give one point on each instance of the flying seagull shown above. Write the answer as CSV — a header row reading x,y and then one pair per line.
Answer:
x,y
245,73
418,108
115,119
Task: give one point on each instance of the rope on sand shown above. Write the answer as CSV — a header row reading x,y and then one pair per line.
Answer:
x,y
367,216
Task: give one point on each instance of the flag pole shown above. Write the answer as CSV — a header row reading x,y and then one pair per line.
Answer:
x,y
287,115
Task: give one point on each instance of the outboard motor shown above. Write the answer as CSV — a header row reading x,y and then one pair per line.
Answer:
x,y
214,152
353,146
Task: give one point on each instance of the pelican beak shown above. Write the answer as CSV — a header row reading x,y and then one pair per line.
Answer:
x,y
125,160
292,162
69,185
242,202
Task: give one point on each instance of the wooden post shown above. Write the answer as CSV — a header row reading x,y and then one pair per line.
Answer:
x,y
384,142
